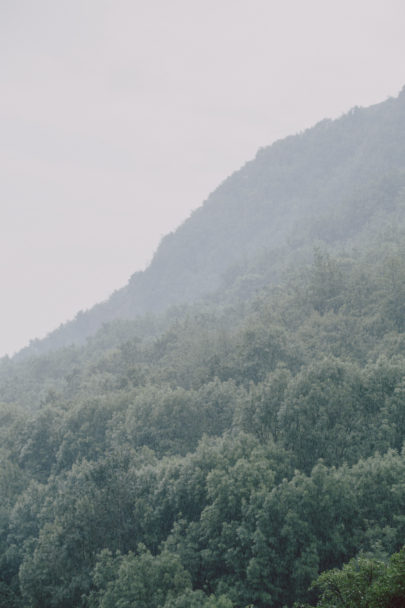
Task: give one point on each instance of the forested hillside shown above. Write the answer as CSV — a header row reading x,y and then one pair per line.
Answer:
x,y
246,449
236,454
334,184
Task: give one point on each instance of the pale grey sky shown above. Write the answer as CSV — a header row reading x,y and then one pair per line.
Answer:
x,y
118,117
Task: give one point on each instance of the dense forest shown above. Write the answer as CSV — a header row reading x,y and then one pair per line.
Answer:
x,y
243,446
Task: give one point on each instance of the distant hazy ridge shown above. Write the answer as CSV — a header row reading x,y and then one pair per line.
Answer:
x,y
333,184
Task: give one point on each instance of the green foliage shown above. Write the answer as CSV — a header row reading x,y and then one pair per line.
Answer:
x,y
194,454
258,413
8,598
140,580
364,583
197,599
326,286
225,453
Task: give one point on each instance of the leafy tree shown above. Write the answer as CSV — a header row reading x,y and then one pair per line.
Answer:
x,y
321,414
141,580
258,411
364,583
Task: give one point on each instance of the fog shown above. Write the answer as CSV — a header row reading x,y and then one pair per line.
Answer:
x,y
118,118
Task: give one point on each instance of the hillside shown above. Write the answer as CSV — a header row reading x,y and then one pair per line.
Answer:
x,y
222,460
245,449
336,184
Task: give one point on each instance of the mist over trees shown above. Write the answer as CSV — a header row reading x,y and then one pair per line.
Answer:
x,y
228,429
336,185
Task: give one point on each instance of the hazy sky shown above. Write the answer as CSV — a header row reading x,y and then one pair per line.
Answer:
x,y
118,117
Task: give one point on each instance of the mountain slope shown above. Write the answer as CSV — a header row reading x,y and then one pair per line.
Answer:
x,y
333,184
227,452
